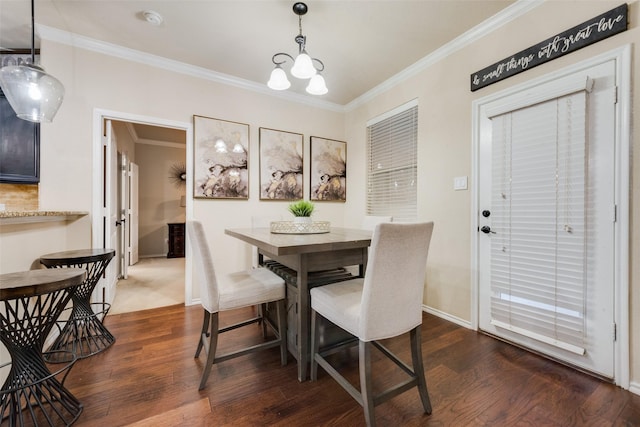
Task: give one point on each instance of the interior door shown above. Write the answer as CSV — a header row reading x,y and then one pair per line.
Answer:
x,y
110,197
510,244
123,209
133,213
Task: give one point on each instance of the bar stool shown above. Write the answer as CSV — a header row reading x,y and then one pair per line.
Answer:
x,y
83,333
30,304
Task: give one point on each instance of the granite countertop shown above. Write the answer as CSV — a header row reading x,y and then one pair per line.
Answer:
x,y
16,217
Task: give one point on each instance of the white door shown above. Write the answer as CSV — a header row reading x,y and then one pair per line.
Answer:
x,y
546,218
133,213
110,197
123,209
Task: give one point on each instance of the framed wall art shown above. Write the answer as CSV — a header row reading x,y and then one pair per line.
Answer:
x,y
280,165
328,170
221,155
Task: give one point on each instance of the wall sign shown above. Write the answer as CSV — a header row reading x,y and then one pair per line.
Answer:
x,y
589,32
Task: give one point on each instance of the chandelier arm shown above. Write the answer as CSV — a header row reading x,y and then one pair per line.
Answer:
x,y
321,64
273,59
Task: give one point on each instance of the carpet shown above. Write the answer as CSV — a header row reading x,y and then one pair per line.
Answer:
x,y
151,283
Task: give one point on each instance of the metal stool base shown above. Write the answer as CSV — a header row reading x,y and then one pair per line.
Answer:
x,y
83,334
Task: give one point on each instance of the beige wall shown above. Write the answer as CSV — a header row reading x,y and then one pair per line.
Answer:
x,y
445,142
93,81
159,198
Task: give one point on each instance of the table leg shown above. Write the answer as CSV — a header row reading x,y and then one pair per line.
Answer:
x,y
302,317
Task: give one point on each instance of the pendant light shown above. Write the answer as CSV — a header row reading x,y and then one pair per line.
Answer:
x,y
303,64
32,93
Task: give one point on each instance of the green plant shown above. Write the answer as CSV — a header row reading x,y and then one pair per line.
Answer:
x,y
301,208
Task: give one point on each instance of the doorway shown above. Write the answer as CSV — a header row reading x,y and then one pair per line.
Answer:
x,y
550,212
109,217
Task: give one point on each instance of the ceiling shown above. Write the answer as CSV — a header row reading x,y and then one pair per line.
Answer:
x,y
362,43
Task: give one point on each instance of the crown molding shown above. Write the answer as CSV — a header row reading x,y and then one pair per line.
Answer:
x,y
87,43
161,143
517,9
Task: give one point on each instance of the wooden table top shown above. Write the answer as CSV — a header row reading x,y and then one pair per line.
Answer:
x,y
78,256
289,244
38,282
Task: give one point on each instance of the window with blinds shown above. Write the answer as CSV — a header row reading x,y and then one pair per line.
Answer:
x,y
392,164
539,199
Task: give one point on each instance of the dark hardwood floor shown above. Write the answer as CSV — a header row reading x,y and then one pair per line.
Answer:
x,y
149,377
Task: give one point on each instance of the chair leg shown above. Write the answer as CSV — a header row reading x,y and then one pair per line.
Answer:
x,y
315,344
418,368
366,389
203,332
213,344
281,307
262,312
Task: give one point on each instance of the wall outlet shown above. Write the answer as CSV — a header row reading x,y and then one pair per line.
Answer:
x,y
2,206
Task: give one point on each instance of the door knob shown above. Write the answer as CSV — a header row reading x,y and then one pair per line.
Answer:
x,y
486,229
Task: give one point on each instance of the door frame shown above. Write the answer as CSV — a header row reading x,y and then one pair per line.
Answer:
x,y
99,116
622,56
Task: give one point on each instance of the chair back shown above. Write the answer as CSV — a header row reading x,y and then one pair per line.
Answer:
x,y
394,280
205,273
369,222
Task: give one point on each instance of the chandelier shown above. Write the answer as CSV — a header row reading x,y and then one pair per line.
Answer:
x,y
32,93
303,65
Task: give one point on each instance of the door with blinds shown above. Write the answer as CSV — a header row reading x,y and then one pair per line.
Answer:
x,y
547,215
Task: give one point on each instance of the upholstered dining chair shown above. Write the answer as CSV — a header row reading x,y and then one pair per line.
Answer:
x,y
222,292
386,303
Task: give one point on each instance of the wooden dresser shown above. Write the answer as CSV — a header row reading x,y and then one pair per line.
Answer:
x,y
176,240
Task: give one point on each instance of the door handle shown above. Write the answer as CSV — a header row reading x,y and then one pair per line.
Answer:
x,y
486,230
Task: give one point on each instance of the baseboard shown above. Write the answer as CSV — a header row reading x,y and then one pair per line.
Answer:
x,y
446,316
153,256
634,387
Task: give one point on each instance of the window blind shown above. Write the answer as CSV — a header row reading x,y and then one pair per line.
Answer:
x,y
539,196
392,166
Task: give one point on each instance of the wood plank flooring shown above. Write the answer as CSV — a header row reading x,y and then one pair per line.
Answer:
x,y
149,377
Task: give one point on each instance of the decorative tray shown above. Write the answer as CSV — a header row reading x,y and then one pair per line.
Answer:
x,y
290,227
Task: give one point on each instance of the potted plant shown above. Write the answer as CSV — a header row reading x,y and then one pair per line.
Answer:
x,y
301,210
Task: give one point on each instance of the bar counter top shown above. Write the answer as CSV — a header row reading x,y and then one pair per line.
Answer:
x,y
21,217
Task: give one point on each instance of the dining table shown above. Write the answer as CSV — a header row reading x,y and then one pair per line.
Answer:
x,y
30,304
307,254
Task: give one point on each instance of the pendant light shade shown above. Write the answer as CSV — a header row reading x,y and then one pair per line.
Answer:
x,y
303,67
278,80
317,86
32,93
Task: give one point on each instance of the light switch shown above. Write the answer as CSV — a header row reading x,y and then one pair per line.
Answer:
x,y
460,183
